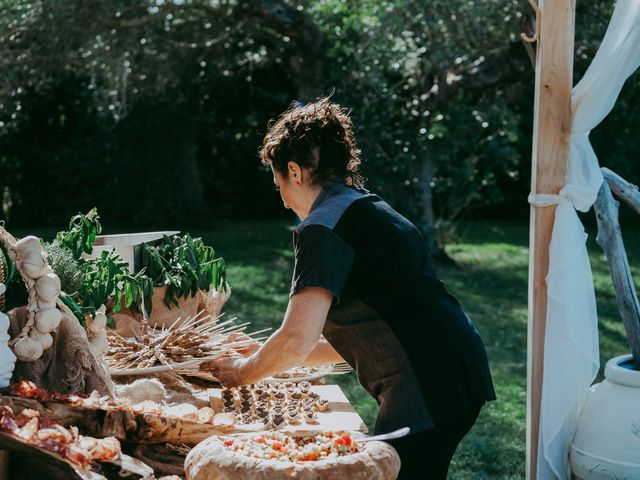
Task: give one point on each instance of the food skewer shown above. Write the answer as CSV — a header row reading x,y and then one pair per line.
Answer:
x,y
195,340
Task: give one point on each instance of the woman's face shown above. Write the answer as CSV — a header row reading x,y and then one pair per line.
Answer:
x,y
296,191
287,188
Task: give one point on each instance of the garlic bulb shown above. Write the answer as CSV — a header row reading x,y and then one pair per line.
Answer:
x,y
44,339
45,305
5,323
97,333
27,349
99,322
48,320
7,357
48,287
33,271
26,245
100,344
30,258
44,288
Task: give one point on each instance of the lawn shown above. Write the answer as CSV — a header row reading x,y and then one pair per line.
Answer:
x,y
492,286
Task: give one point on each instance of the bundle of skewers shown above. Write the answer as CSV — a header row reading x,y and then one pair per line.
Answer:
x,y
304,372
196,340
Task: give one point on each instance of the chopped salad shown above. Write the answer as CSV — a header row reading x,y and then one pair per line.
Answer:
x,y
292,448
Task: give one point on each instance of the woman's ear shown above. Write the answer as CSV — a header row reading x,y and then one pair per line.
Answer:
x,y
295,173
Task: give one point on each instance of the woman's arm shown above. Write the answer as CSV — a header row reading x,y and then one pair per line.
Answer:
x,y
323,354
289,346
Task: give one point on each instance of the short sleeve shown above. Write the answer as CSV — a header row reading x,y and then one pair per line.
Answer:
x,y
322,259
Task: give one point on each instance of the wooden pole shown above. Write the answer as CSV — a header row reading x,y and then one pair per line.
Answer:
x,y
551,137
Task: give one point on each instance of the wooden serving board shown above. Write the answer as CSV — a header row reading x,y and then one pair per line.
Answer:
x,y
340,416
125,426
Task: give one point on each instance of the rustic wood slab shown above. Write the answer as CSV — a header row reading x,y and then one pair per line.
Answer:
x,y
340,416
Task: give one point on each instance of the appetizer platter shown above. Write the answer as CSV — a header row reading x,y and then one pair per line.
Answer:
x,y
300,406
273,406
305,456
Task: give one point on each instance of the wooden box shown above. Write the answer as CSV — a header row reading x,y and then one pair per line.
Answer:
x,y
127,245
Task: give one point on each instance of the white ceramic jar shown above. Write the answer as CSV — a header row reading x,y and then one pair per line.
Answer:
x,y
606,445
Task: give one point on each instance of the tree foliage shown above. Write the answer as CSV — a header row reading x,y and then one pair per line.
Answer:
x,y
153,110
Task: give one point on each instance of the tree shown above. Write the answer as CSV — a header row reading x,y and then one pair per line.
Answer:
x,y
431,86
167,85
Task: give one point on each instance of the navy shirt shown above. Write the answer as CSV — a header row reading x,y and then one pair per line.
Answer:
x,y
413,348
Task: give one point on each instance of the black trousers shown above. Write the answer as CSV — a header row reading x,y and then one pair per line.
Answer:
x,y
427,454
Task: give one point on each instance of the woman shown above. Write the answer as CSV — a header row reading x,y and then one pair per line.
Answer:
x,y
363,290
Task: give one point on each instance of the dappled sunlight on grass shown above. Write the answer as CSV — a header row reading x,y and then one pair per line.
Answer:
x,y
492,288
491,285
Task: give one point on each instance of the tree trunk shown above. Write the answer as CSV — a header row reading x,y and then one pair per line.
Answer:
x,y
426,215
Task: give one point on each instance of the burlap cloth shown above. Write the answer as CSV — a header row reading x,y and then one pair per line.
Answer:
x,y
69,366
176,389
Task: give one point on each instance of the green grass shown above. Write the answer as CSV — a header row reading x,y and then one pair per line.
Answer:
x,y
492,286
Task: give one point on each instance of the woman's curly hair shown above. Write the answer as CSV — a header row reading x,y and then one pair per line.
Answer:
x,y
318,136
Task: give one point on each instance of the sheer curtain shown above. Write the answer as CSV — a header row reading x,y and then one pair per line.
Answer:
x,y
571,356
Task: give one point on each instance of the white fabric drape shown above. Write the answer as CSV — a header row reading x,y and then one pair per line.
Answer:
x,y
571,358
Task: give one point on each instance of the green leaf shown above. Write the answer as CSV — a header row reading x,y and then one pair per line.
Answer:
x,y
128,292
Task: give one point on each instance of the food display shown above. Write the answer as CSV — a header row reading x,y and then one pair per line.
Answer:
x,y
273,406
275,455
44,433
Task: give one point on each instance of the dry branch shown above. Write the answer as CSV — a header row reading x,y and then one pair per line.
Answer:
x,y
610,239
624,190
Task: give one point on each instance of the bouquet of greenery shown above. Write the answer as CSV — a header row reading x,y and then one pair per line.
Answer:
x,y
184,265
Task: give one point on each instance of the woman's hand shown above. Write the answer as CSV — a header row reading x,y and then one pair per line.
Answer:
x,y
229,370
